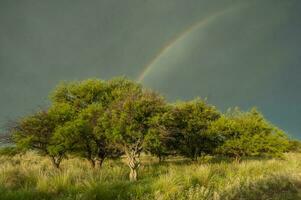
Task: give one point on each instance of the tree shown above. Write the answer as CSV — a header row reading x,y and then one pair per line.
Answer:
x,y
156,144
189,123
128,122
294,146
36,131
80,94
248,134
160,140
83,137
91,99
98,119
9,151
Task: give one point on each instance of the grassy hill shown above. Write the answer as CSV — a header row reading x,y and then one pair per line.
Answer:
x,y
32,177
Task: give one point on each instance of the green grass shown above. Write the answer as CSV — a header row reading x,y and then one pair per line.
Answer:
x,y
32,177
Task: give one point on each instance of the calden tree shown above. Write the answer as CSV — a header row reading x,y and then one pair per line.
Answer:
x,y
129,121
36,131
90,98
83,137
248,134
160,140
189,123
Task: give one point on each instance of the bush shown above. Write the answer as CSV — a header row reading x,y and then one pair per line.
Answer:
x,y
9,151
248,134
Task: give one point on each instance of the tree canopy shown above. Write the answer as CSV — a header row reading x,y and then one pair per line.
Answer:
x,y
98,119
248,134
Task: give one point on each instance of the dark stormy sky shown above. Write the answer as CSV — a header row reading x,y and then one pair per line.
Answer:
x,y
250,55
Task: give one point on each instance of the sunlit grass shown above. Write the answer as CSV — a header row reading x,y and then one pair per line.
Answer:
x,y
32,177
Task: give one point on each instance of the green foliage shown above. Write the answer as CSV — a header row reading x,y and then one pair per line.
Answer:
x,y
36,131
160,140
9,151
189,124
248,134
97,119
79,94
294,146
128,122
84,136
120,88
156,144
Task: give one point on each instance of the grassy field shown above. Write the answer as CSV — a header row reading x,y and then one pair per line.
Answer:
x,y
32,177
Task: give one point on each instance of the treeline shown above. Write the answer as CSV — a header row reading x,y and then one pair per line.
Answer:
x,y
97,119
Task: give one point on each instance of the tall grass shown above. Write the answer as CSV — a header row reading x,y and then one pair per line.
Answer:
x,y
30,176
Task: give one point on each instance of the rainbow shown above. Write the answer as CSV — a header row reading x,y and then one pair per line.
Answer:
x,y
199,24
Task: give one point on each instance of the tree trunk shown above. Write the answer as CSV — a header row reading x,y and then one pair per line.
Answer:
x,y
56,161
101,157
194,159
133,174
92,162
134,164
237,159
195,155
160,159
100,162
